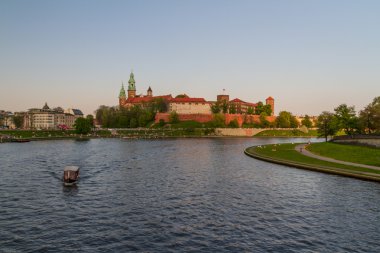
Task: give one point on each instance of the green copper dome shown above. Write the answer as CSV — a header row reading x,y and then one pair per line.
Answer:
x,y
132,83
122,91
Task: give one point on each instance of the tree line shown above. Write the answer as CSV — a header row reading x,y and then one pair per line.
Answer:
x,y
345,118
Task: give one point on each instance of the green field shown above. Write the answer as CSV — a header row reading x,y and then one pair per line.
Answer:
x,y
37,133
286,152
349,153
287,133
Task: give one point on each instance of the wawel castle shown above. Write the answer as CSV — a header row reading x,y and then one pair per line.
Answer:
x,y
189,108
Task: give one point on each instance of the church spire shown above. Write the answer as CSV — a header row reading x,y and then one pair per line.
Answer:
x,y
131,82
122,91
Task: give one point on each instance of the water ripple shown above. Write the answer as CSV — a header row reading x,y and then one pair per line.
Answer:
x,y
187,195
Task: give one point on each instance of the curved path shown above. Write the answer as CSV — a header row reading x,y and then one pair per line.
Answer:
x,y
302,149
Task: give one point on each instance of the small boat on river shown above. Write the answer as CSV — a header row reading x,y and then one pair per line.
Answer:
x,y
70,175
20,140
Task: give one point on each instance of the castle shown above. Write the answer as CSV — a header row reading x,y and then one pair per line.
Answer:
x,y
189,108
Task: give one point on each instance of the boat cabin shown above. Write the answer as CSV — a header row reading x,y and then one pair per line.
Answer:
x,y
70,175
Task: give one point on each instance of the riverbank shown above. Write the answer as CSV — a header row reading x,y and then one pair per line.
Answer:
x,y
287,133
285,154
152,133
348,153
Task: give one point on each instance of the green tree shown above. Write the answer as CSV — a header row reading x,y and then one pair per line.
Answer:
x,y
234,124
327,124
306,121
160,105
133,123
286,120
232,109
250,110
215,108
346,117
369,117
173,117
267,109
90,118
218,120
225,106
82,126
18,121
263,120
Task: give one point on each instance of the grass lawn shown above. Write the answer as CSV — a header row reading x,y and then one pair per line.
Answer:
x,y
286,133
349,153
39,133
286,152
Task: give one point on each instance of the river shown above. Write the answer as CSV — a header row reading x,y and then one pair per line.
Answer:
x,y
177,195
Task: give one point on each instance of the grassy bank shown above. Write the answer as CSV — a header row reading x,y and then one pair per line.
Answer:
x,y
47,134
286,155
167,132
287,133
349,153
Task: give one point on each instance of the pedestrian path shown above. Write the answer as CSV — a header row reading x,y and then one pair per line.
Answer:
x,y
301,148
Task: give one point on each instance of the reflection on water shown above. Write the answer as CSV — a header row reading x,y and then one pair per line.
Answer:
x,y
201,195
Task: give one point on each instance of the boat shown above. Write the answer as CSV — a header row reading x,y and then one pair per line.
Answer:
x,y
70,175
20,140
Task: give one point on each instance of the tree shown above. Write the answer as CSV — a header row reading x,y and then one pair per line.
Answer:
x,y
260,108
225,106
369,117
173,117
327,124
218,120
307,122
82,126
18,121
234,124
133,123
250,110
232,109
346,118
286,120
90,118
160,105
215,108
263,120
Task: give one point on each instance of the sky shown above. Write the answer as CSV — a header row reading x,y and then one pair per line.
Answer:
x,y
310,56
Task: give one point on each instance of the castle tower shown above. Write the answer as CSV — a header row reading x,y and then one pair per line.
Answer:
x,y
270,101
122,96
131,86
149,93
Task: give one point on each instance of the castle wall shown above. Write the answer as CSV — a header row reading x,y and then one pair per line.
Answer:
x,y
202,118
190,108
241,118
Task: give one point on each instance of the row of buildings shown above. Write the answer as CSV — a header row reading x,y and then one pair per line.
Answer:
x,y
185,105
44,118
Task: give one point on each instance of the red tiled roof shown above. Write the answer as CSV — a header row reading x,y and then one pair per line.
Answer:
x,y
187,100
236,100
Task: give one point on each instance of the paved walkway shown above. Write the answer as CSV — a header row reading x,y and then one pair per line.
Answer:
x,y
302,149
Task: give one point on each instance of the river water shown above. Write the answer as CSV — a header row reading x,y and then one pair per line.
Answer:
x,y
177,195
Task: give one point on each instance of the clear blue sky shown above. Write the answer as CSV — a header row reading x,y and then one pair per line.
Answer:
x,y
309,55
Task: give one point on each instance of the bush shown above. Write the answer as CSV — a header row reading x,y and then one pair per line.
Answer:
x,y
234,124
173,118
